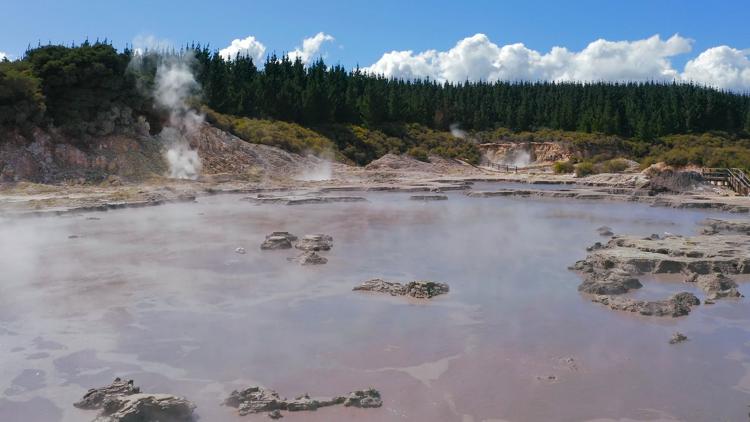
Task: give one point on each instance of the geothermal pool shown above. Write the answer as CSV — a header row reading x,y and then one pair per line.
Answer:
x,y
159,295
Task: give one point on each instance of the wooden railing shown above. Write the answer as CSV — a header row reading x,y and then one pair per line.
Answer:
x,y
734,178
504,167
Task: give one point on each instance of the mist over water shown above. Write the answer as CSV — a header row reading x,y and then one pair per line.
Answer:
x,y
159,295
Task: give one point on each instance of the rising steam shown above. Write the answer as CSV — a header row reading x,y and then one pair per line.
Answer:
x,y
319,170
457,132
519,158
174,85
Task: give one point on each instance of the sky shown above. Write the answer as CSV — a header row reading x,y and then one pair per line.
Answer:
x,y
445,40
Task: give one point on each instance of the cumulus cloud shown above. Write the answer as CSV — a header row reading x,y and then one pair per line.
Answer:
x,y
3,56
478,58
722,67
310,47
249,47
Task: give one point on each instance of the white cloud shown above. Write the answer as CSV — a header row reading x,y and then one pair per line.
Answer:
x,y
245,47
722,67
3,56
477,58
310,47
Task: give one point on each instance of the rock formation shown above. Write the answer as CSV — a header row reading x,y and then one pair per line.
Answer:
x,y
121,401
677,305
716,286
605,231
309,258
278,240
677,337
612,282
708,260
416,289
315,242
95,397
259,400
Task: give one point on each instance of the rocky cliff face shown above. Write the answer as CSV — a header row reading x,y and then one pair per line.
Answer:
x,y
523,153
49,156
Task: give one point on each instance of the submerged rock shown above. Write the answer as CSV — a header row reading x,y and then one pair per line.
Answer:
x,y
275,414
258,399
278,240
302,199
255,400
309,258
425,289
677,337
428,197
609,283
605,231
716,286
364,398
121,401
678,305
716,226
417,289
315,242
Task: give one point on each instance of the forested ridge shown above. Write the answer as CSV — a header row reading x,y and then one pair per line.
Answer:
x,y
73,87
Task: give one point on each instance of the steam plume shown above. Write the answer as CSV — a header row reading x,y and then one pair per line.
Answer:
x,y
174,85
457,132
321,169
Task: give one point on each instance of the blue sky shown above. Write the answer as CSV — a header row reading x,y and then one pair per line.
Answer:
x,y
365,30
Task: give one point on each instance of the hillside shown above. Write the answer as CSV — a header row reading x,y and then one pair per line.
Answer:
x,y
90,111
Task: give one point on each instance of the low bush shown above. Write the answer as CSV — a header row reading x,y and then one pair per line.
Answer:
x,y
563,167
584,169
419,153
616,165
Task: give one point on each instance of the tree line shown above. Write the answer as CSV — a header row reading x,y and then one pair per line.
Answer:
x,y
68,85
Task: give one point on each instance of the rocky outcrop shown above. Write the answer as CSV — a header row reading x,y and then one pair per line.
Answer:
x,y
401,163
677,305
715,226
703,254
121,401
147,407
50,156
416,289
309,258
708,260
258,400
315,242
120,144
278,240
613,282
537,152
716,286
627,193
95,397
677,337
364,398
